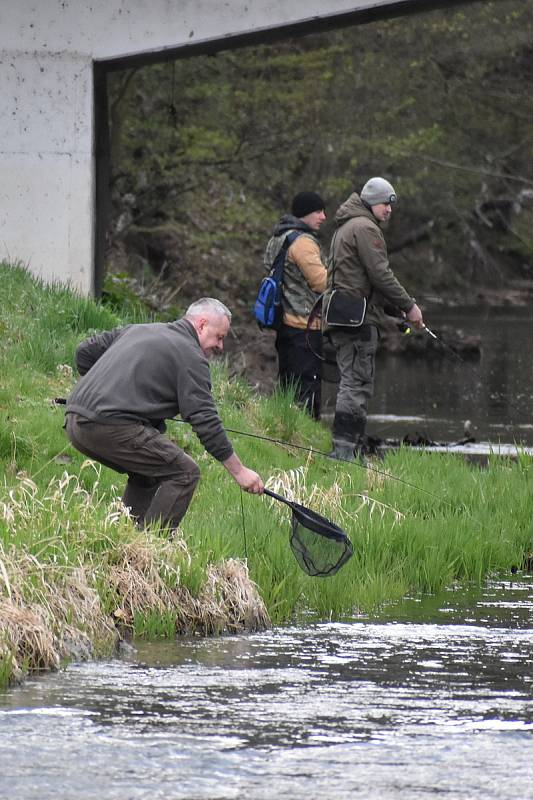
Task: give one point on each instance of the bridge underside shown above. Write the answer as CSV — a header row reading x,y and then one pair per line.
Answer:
x,y
53,129
298,19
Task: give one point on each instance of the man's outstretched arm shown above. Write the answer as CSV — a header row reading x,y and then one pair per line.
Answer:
x,y
247,479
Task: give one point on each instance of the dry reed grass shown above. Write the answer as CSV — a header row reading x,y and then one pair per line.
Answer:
x,y
227,601
52,599
136,579
51,613
26,641
328,501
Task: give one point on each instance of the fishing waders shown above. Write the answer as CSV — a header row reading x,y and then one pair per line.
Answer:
x,y
356,353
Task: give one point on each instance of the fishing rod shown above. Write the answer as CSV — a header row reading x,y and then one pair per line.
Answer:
x,y
323,453
405,328
313,451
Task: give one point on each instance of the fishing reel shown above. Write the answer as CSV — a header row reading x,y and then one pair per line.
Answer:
x,y
401,323
404,327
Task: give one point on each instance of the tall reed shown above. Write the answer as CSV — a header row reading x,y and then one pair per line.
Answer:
x,y
75,574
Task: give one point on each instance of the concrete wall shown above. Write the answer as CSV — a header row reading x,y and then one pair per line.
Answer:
x,y
47,52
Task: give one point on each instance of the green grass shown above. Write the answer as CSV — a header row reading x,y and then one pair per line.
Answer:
x,y
418,521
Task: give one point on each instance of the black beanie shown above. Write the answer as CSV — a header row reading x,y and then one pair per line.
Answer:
x,y
305,203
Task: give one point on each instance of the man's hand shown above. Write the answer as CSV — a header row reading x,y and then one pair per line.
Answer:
x,y
414,315
250,481
247,479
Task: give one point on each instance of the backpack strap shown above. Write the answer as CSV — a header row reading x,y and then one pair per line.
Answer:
x,y
288,240
290,237
278,266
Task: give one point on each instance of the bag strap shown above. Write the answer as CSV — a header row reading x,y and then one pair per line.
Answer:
x,y
316,313
332,259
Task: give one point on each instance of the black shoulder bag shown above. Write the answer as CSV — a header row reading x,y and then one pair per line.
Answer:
x,y
340,308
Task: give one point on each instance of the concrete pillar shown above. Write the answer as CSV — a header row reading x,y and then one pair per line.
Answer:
x,y
46,164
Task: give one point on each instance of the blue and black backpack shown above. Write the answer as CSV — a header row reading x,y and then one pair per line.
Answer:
x,y
267,307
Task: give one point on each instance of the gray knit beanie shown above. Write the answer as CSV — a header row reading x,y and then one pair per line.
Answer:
x,y
378,190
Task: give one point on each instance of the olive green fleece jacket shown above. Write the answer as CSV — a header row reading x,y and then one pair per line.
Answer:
x,y
148,373
358,261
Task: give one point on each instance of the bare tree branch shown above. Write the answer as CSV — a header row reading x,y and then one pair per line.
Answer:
x,y
476,170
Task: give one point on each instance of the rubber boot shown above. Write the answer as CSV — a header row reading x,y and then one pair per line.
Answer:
x,y
348,434
361,450
343,451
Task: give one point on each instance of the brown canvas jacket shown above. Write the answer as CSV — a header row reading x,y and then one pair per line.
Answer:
x,y
358,261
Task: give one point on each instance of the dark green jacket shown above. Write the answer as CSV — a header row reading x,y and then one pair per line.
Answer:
x,y
358,261
148,373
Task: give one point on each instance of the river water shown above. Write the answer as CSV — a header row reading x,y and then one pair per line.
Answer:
x,y
433,699
434,394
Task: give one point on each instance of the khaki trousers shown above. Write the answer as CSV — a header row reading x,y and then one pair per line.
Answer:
x,y
161,477
356,355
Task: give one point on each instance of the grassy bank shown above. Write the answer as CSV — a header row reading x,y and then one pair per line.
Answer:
x,y
75,573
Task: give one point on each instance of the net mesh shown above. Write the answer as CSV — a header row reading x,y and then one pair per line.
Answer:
x,y
319,546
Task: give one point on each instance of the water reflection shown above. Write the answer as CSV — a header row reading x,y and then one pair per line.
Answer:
x,y
495,393
436,699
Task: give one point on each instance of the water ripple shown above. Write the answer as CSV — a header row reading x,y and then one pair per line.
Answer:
x,y
390,709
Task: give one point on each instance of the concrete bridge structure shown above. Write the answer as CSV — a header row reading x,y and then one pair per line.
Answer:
x,y
54,59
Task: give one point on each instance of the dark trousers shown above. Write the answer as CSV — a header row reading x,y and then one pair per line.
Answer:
x,y
299,367
161,477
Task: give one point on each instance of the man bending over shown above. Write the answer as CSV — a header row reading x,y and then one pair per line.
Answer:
x,y
133,378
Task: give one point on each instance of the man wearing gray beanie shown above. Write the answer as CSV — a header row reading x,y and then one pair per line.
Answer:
x,y
304,280
359,268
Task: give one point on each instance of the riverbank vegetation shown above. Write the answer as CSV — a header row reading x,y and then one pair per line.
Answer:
x,y
206,153
76,577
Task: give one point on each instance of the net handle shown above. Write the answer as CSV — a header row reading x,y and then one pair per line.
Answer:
x,y
316,519
278,497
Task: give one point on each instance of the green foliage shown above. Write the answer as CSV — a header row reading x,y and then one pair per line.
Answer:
x,y
418,521
42,322
120,296
13,446
6,668
282,415
155,625
214,147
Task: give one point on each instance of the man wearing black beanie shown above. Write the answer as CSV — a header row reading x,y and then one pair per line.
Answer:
x,y
304,280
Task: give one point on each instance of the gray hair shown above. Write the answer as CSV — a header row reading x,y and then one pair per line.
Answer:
x,y
208,305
